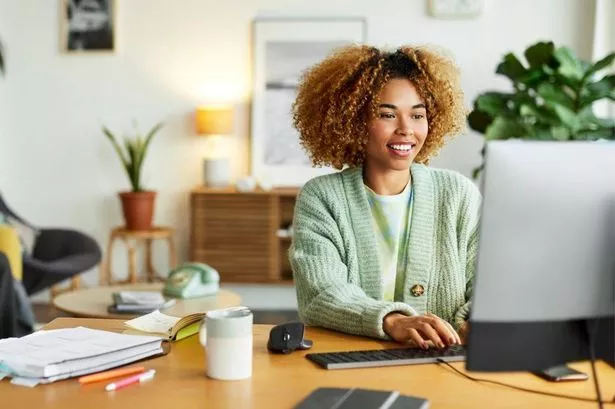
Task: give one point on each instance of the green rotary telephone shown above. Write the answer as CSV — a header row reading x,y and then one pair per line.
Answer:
x,y
190,280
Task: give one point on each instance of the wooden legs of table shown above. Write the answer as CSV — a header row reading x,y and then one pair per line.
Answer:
x,y
108,277
132,260
149,265
172,252
151,273
132,244
104,274
75,283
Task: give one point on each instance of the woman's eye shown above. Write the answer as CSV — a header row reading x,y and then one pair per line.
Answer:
x,y
418,116
387,115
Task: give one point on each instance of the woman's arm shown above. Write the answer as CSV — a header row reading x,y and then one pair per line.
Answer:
x,y
324,295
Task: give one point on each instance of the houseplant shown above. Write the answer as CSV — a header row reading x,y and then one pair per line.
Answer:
x,y
551,99
138,203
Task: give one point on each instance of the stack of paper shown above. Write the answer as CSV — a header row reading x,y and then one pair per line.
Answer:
x,y
48,356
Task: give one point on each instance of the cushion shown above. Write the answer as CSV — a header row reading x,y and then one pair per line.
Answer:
x,y
12,249
27,234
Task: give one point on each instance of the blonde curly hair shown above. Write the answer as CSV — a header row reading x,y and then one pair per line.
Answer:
x,y
337,97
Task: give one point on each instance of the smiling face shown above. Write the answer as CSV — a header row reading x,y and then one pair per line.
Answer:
x,y
398,131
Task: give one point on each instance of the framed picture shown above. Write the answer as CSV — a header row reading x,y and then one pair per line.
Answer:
x,y
282,49
455,8
87,26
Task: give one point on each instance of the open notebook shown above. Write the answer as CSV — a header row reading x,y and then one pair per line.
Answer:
x,y
168,327
48,356
165,326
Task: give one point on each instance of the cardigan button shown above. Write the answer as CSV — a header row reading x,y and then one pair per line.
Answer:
x,y
417,290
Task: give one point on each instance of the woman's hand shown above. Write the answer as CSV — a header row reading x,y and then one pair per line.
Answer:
x,y
420,329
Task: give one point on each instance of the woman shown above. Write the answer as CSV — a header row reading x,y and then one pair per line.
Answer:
x,y
386,247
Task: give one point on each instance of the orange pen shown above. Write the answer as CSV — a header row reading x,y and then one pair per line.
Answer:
x,y
101,376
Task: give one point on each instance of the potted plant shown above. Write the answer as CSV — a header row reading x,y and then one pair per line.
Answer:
x,y
552,98
137,204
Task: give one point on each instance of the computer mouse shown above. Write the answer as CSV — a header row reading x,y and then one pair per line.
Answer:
x,y
288,337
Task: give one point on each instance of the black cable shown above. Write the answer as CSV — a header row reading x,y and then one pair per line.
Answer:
x,y
592,356
442,361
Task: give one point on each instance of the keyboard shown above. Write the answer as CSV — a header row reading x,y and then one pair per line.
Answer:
x,y
387,357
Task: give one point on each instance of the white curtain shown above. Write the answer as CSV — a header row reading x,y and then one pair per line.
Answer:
x,y
603,44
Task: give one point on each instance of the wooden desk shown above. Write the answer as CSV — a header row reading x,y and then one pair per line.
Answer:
x,y
281,381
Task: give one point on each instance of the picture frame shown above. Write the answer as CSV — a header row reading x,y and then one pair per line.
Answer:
x,y
282,49
88,26
455,9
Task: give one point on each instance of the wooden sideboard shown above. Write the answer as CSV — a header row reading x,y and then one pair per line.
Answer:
x,y
238,233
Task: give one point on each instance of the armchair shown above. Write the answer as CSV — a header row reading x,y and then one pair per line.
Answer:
x,y
16,315
58,254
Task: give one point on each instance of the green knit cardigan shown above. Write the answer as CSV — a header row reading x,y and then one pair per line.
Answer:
x,y
335,260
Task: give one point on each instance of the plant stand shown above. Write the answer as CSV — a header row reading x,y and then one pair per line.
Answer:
x,y
132,239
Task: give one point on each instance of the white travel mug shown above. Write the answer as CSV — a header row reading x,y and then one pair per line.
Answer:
x,y
227,338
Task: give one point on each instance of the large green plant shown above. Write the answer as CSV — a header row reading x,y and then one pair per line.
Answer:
x,y
552,98
134,155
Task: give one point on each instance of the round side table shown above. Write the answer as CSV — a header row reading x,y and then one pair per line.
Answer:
x,y
94,302
132,239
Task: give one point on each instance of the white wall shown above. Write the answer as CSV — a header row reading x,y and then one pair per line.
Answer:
x,y
57,169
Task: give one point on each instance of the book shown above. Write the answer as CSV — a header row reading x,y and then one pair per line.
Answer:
x,y
134,302
169,327
356,398
49,356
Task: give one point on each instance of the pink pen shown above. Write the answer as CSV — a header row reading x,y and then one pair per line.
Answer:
x,y
130,380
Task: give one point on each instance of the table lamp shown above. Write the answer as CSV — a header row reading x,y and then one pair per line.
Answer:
x,y
214,122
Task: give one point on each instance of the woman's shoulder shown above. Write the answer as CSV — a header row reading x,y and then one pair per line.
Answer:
x,y
322,183
334,191
321,188
323,180
331,184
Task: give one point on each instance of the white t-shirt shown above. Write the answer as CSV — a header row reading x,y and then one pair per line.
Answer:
x,y
391,216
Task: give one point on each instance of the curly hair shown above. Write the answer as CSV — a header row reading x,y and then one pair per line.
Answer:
x,y
337,97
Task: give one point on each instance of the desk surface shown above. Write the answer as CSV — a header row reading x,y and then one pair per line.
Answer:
x,y
93,302
281,381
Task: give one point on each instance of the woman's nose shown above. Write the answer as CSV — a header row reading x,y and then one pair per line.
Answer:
x,y
403,127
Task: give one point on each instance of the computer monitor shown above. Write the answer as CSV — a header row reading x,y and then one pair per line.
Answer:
x,y
546,259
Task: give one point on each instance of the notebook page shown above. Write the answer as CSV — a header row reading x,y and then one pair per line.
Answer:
x,y
154,322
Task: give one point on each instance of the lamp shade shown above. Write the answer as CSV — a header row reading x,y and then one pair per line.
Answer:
x,y
214,120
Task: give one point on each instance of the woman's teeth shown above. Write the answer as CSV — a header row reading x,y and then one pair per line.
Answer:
x,y
404,148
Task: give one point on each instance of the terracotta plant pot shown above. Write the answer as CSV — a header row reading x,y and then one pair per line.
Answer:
x,y
138,209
